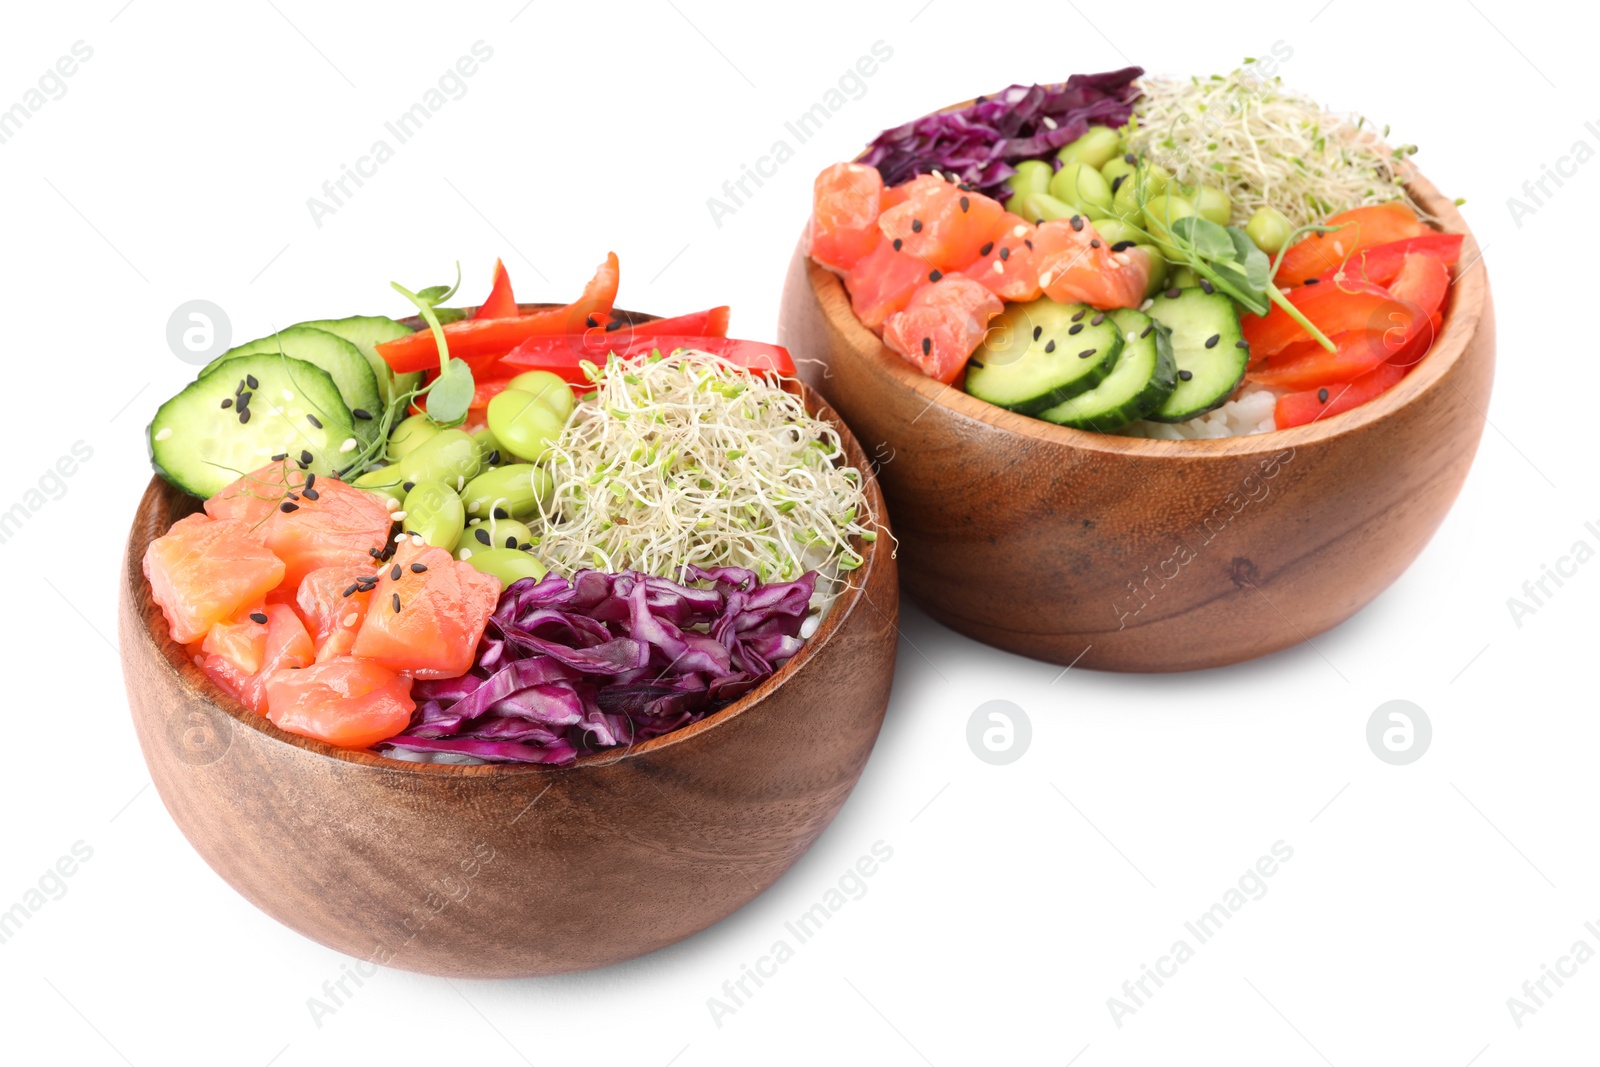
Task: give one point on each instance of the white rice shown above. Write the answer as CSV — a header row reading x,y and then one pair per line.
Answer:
x,y
1249,412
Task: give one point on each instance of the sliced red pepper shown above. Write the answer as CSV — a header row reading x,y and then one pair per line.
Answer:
x,y
500,303
1422,283
556,355
1362,227
1381,264
481,340
1298,409
1349,305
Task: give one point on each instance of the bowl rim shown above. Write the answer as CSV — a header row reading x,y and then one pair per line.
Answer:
x,y
197,682
1464,308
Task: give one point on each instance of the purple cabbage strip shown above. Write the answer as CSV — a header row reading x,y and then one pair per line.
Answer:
x,y
979,143
570,667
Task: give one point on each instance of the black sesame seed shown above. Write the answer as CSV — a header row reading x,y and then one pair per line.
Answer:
x,y
1080,314
250,379
1029,243
408,486
311,479
591,322
1116,183
418,568
1172,294
288,506
1037,330
613,326
897,244
1087,352
244,399
1206,287
494,458
374,553
280,457
1094,242
1005,253
244,415
935,275
970,363
1077,223
1148,330
1242,344
1130,159
1122,246
362,413
965,203
394,575
1322,395
501,513
1076,327
1211,342
482,535
986,249
1185,375
916,225
1313,281
396,602
351,591
294,496
1051,345
302,464
259,617
305,457
314,421
511,541
1097,320
927,345
240,388
227,403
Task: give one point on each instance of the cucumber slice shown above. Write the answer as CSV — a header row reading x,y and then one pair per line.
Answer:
x,y
1206,342
200,446
1144,376
1041,353
342,360
366,332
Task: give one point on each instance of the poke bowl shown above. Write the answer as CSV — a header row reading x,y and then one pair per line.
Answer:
x,y
502,849
1062,520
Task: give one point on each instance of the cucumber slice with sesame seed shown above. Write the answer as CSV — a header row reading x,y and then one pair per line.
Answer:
x,y
201,439
1039,354
342,360
367,332
1142,380
1208,346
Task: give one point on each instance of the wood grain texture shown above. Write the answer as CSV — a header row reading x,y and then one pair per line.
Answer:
x,y
507,871
1145,555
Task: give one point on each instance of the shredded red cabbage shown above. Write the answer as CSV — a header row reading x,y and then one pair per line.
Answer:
x,y
568,667
979,143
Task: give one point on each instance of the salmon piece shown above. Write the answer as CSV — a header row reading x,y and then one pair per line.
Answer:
x,y
443,610
942,326
288,645
844,215
240,639
882,282
1005,266
333,618
347,702
204,570
1076,267
942,224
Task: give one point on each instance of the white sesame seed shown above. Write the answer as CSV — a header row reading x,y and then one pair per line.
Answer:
x,y
999,267
400,538
349,445
416,539
350,619
1019,231
1120,257
163,433
1049,122
466,553
398,516
1045,279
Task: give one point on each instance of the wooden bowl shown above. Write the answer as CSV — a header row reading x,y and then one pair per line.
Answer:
x,y
1143,555
509,870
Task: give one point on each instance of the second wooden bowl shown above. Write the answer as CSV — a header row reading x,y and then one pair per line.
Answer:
x,y
1140,555
509,871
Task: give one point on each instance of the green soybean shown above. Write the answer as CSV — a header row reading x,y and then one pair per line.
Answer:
x,y
1032,176
551,390
488,444
524,423
507,564
1214,204
1118,167
1158,270
1269,229
1038,207
450,456
385,481
1081,185
1114,231
492,533
433,511
1097,147
1162,211
1182,278
518,489
410,435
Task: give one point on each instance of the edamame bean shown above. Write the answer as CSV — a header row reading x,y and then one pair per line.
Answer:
x,y
507,564
1158,270
434,512
518,489
1269,229
410,435
450,456
385,481
1118,168
1043,206
1214,204
1114,231
1162,211
1032,176
492,533
551,390
1182,278
1082,186
524,424
488,444
1097,147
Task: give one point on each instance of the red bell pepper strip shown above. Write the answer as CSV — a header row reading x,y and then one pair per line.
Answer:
x,y
1298,409
1380,265
482,340
1349,305
500,304
1362,227
558,356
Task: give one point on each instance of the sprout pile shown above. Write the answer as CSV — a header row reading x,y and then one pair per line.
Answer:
x,y
1265,146
685,461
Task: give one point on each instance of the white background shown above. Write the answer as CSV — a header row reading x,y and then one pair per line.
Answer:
x,y
1019,898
